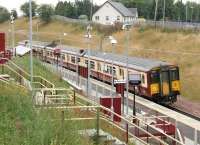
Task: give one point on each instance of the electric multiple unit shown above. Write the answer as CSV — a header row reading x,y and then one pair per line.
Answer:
x,y
160,80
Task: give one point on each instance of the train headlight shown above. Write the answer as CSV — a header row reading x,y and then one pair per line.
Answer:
x,y
176,85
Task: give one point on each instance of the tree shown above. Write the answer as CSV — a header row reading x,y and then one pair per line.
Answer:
x,y
60,8
45,12
25,9
14,13
4,14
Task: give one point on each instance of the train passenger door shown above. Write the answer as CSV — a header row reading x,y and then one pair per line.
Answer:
x,y
165,84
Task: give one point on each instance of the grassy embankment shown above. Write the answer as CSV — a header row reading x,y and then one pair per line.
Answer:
x,y
21,123
180,48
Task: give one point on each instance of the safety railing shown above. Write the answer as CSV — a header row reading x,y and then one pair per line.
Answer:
x,y
38,81
125,125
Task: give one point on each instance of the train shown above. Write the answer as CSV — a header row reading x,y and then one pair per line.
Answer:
x,y
160,81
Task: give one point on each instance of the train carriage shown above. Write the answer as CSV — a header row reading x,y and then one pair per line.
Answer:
x,y
160,80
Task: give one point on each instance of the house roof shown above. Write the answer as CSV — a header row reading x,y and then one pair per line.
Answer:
x,y
133,10
121,8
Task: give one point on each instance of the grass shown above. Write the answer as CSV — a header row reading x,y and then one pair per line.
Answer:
x,y
22,124
177,47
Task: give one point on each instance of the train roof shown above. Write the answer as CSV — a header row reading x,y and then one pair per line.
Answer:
x,y
142,64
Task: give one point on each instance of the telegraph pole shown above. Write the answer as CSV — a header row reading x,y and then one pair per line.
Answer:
x,y
164,9
155,15
30,42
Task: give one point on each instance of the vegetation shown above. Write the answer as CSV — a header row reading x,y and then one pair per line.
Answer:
x,y
74,10
25,8
175,9
178,47
14,13
45,12
4,14
21,123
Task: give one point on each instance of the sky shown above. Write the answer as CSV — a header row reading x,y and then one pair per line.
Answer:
x,y
15,4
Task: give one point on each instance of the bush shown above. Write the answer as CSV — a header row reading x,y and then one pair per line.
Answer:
x,y
4,14
45,12
25,9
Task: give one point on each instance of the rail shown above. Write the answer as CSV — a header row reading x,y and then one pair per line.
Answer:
x,y
22,73
123,118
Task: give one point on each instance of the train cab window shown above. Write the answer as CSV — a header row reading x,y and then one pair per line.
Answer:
x,y
114,71
73,60
92,64
155,77
174,75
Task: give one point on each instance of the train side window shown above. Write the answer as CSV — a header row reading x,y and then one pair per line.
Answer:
x,y
73,59
79,59
99,66
143,79
114,71
63,57
92,64
121,72
86,62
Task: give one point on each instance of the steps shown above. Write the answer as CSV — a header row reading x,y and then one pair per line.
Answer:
x,y
104,137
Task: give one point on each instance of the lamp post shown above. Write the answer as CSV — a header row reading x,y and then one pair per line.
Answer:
x,y
192,14
186,12
127,29
88,36
113,41
30,42
12,18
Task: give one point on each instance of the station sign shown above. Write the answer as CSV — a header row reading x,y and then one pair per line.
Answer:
x,y
135,79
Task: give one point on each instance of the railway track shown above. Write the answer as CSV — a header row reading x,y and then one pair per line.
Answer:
x,y
183,112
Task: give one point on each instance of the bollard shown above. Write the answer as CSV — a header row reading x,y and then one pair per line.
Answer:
x,y
127,133
97,125
74,96
62,121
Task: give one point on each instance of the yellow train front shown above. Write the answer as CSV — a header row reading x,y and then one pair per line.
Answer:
x,y
164,84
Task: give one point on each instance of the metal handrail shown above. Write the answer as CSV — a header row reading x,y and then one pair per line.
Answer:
x,y
23,71
106,109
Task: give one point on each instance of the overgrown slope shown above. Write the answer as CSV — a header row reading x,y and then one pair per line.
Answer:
x,y
178,47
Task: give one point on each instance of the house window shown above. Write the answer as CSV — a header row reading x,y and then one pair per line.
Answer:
x,y
107,18
97,18
73,59
118,18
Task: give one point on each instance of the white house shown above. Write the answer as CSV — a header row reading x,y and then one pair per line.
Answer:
x,y
111,12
